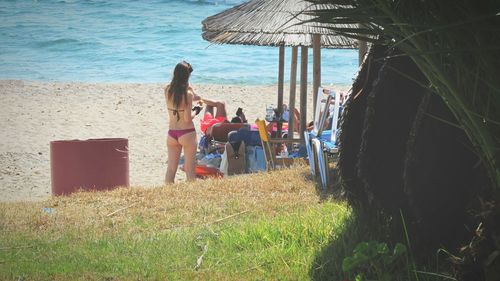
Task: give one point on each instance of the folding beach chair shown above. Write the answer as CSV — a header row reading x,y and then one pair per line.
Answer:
x,y
272,162
310,153
320,143
219,135
318,122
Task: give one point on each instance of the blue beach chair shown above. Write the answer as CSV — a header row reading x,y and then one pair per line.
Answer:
x,y
310,135
320,143
310,153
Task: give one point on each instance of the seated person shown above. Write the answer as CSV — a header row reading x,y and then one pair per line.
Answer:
x,y
296,123
296,118
328,125
285,117
240,116
209,118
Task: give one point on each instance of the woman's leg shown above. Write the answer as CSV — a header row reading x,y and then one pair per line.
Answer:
x,y
188,142
209,109
174,153
219,105
221,109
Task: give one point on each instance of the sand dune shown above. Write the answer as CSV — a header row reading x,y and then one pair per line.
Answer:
x,y
34,114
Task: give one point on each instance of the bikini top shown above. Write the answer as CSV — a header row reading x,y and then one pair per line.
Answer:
x,y
175,112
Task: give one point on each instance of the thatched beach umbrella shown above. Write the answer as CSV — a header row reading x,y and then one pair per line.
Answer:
x,y
279,23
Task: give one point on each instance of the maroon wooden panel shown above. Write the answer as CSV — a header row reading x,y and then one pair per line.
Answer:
x,y
93,164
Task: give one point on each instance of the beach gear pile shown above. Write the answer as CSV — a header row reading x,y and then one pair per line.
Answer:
x,y
242,153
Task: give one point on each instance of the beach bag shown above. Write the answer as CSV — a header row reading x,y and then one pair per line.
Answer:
x,y
233,161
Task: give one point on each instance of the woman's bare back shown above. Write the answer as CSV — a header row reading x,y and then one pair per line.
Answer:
x,y
176,116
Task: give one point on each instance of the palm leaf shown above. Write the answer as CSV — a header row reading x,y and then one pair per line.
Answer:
x,y
456,44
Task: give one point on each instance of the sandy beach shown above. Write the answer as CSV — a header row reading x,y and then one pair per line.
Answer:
x,y
35,113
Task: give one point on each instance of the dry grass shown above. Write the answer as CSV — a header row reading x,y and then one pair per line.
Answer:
x,y
170,207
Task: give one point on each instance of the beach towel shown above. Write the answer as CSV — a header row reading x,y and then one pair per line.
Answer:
x,y
209,120
284,127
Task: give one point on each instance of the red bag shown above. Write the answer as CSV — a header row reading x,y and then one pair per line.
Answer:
x,y
204,172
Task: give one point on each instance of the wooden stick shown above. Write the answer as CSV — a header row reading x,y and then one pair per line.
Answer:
x,y
199,260
17,247
231,216
121,209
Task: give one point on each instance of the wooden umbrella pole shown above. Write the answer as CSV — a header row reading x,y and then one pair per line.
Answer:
x,y
293,86
281,75
316,43
303,90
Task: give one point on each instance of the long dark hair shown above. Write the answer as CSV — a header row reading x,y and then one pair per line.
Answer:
x,y
179,85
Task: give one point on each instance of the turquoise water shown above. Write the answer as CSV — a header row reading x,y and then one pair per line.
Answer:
x,y
136,41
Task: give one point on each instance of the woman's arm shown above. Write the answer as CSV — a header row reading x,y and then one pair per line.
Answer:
x,y
189,114
195,96
166,94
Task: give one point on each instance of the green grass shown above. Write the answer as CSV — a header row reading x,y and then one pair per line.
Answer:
x,y
269,226
278,247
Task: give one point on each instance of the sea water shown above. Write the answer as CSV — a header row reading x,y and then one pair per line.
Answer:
x,y
136,41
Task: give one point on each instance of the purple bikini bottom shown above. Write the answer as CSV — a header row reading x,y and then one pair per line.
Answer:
x,y
176,134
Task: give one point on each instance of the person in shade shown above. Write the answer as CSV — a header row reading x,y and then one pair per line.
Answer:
x,y
210,117
240,116
181,134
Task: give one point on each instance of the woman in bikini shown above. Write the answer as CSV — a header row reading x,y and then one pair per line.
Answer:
x,y
181,133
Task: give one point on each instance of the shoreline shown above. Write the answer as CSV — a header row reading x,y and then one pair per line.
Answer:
x,y
39,112
343,87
